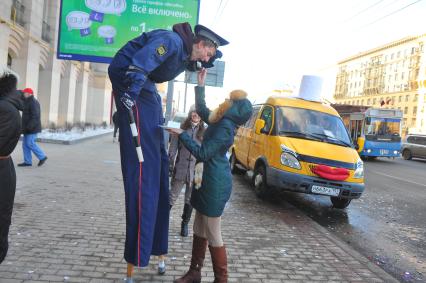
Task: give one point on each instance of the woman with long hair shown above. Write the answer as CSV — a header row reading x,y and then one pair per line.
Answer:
x,y
182,164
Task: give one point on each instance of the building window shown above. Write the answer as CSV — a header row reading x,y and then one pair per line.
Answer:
x,y
17,12
405,110
398,54
392,56
407,97
9,61
413,122
400,98
414,110
368,101
415,97
374,101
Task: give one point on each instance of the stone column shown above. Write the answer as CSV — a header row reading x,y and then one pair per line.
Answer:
x,y
4,31
99,95
81,94
28,60
67,94
50,75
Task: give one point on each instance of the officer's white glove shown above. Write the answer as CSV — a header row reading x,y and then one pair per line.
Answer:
x,y
127,101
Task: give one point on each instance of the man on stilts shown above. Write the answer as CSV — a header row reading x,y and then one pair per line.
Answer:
x,y
154,57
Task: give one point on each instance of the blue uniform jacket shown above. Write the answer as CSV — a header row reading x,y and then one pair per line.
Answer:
x,y
154,57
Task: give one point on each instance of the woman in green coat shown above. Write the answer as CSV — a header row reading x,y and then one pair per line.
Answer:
x,y
216,185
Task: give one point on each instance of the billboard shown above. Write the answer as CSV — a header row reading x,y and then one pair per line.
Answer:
x,y
94,30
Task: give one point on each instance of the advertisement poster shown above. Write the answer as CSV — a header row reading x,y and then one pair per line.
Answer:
x,y
94,30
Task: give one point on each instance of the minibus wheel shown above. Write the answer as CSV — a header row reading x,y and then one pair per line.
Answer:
x,y
233,163
340,202
406,154
259,181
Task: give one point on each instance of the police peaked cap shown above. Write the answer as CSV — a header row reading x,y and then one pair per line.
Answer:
x,y
202,31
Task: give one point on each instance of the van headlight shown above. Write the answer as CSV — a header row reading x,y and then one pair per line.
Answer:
x,y
359,170
288,159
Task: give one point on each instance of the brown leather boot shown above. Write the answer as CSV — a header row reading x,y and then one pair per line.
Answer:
x,y
199,246
220,264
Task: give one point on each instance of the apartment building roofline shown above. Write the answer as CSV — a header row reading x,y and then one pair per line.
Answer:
x,y
380,48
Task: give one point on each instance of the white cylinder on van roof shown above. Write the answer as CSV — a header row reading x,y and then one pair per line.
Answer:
x,y
310,88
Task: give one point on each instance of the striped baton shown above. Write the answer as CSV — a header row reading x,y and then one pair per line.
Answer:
x,y
129,103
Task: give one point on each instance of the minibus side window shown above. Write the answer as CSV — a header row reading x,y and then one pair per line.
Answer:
x,y
267,117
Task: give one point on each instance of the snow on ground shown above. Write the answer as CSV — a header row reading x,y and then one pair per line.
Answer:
x,y
73,134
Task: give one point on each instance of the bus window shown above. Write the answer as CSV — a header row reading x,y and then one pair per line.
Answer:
x,y
356,129
382,127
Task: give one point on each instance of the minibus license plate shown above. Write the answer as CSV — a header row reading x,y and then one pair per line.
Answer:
x,y
325,191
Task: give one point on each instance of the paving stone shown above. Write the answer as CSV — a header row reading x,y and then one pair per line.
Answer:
x,y
69,221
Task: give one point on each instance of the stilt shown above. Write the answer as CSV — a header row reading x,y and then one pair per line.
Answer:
x,y
161,264
130,268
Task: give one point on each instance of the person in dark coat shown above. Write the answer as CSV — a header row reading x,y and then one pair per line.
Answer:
x,y
153,57
216,184
31,126
10,131
182,164
115,122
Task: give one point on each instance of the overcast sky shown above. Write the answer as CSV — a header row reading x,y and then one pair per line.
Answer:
x,y
274,42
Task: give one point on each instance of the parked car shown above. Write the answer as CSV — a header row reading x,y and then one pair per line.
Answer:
x,y
298,145
414,146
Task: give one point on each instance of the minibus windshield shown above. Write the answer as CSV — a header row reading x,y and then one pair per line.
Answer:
x,y
292,121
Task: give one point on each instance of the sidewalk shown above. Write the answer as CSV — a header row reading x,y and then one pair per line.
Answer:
x,y
68,226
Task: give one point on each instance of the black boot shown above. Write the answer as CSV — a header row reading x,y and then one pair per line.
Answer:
x,y
186,216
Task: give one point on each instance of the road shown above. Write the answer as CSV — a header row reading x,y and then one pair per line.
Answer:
x,y
387,224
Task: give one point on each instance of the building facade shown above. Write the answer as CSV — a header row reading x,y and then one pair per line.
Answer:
x,y
390,76
69,92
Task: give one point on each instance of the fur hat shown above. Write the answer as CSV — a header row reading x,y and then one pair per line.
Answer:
x,y
219,112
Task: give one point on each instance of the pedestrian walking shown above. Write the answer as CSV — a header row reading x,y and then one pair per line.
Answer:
x,y
154,57
210,199
115,122
10,131
182,164
31,126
